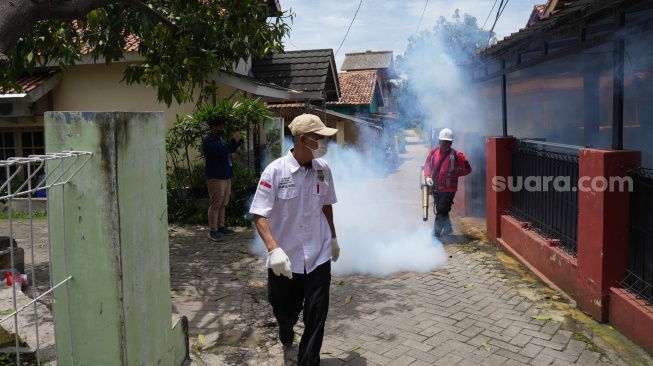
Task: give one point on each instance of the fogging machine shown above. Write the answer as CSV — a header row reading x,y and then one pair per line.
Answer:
x,y
426,192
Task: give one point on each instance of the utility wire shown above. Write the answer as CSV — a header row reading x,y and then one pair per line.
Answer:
x,y
352,22
499,12
420,18
490,13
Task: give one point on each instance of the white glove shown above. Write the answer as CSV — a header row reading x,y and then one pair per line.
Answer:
x,y
280,263
429,182
335,249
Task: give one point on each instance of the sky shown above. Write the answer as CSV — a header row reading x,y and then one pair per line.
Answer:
x,y
387,24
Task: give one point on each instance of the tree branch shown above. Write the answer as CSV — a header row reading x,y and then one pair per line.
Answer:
x,y
151,13
19,16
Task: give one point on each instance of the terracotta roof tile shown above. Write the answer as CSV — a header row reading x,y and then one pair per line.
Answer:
x,y
30,82
132,43
356,87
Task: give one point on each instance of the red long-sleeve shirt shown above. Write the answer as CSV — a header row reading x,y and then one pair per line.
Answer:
x,y
447,179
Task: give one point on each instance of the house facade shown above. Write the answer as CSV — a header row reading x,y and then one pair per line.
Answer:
x,y
568,105
314,71
362,112
383,63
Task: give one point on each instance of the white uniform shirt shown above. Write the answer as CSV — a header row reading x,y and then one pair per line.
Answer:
x,y
291,198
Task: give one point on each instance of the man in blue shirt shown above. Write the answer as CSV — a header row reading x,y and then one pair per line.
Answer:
x,y
219,172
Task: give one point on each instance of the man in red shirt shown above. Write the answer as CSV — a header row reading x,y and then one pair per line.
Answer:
x,y
441,171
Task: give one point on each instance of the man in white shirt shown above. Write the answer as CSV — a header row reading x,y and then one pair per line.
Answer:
x,y
293,214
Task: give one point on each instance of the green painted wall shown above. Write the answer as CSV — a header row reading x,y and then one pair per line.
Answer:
x,y
340,109
109,228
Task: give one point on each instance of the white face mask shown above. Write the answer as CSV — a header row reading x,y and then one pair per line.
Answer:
x,y
321,148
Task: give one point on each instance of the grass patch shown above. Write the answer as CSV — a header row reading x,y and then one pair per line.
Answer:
x,y
38,215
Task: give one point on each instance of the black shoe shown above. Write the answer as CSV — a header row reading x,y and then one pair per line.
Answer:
x,y
447,231
215,235
226,231
286,336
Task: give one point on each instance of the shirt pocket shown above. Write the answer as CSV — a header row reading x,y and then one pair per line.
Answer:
x,y
318,196
285,197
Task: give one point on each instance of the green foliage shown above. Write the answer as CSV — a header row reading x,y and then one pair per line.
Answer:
x,y
243,187
251,113
7,360
184,211
181,43
183,146
186,174
432,53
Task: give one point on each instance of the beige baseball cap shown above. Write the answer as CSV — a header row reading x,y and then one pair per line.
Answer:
x,y
307,123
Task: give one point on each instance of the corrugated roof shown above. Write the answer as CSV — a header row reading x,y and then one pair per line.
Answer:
x,y
30,82
357,87
368,60
308,70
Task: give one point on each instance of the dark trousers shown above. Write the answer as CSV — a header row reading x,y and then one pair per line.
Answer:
x,y
442,202
309,291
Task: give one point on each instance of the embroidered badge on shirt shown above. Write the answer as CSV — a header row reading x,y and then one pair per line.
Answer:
x,y
320,175
286,182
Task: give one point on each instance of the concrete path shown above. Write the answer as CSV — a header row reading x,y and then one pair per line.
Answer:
x,y
478,309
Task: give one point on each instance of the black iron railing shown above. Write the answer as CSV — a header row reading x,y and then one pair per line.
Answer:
x,y
544,186
640,243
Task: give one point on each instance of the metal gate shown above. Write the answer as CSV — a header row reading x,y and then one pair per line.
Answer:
x,y
544,187
639,280
26,316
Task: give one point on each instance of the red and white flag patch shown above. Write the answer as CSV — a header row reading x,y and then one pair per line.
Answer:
x,y
265,185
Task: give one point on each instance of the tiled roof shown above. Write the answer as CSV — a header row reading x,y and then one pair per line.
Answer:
x,y
30,82
560,12
357,87
538,11
368,60
308,70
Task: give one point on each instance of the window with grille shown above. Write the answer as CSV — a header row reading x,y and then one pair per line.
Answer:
x,y
20,143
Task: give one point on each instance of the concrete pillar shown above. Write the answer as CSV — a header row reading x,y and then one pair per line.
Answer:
x,y
602,227
109,230
499,165
340,135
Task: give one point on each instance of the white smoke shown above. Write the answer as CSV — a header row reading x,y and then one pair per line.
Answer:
x,y
378,218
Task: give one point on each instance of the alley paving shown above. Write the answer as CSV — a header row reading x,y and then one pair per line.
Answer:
x,y
482,308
